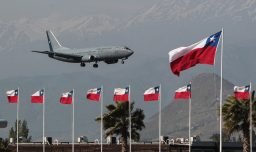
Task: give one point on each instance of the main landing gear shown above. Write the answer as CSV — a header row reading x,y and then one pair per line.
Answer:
x,y
95,65
82,64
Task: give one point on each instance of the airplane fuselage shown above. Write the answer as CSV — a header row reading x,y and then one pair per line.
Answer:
x,y
107,54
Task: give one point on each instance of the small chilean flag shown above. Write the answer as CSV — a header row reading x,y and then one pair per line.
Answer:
x,y
152,94
38,97
183,92
121,94
13,96
66,98
202,52
242,92
94,94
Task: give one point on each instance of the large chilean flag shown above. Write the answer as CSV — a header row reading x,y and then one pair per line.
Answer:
x,y
93,94
13,96
242,92
66,98
183,92
202,52
38,97
152,94
121,94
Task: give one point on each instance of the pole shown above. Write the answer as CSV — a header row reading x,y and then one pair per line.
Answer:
x,y
250,118
73,122
130,120
189,122
17,134
43,120
101,116
160,111
221,74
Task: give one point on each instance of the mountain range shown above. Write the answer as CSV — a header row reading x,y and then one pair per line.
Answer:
x,y
204,111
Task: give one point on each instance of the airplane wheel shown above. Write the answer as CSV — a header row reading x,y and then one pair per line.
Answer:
x,y
122,61
95,65
82,64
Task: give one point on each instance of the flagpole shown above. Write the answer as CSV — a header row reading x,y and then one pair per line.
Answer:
x,y
73,122
189,122
250,118
160,104
221,75
101,116
17,134
130,120
43,120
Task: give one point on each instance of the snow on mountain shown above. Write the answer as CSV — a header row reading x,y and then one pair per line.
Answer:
x,y
25,30
176,10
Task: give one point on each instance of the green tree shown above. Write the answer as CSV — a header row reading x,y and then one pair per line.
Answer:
x,y
116,122
236,117
23,131
4,145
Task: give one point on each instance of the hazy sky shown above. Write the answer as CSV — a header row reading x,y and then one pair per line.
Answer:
x,y
148,67
13,9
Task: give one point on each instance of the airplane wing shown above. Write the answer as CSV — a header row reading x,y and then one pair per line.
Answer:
x,y
64,55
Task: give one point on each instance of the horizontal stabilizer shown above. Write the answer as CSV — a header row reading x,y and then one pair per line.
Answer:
x,y
43,52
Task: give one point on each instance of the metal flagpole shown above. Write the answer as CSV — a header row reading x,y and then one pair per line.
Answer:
x,y
189,122
73,122
250,118
160,109
130,120
221,74
17,134
43,120
101,115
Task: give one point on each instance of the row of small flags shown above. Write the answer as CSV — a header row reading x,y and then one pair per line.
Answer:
x,y
122,94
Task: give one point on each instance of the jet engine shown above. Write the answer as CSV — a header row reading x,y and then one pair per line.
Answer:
x,y
111,61
88,58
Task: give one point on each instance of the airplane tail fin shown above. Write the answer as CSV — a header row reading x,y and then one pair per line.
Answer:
x,y
52,40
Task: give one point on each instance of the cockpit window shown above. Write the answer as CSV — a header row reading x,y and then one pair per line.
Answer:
x,y
127,48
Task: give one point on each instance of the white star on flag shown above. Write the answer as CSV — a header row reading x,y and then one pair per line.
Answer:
x,y
212,39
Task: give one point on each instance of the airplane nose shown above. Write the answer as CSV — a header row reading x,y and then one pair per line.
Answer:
x,y
130,52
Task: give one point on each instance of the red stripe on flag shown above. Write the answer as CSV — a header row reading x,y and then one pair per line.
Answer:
x,y
12,99
203,55
37,99
182,95
242,95
151,97
121,98
66,100
94,97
